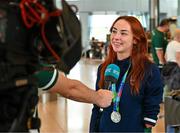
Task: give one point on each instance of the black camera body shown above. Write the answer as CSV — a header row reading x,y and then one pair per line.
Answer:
x,y
56,40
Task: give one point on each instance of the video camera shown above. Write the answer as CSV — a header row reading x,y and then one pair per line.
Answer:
x,y
57,37
32,32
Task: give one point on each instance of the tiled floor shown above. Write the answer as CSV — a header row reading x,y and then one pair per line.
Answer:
x,y
66,116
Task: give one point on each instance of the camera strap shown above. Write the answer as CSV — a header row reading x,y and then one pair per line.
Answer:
x,y
32,13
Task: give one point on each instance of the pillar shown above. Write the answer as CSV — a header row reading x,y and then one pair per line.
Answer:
x,y
178,14
154,13
84,19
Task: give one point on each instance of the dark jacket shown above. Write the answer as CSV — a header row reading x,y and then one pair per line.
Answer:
x,y
135,110
171,75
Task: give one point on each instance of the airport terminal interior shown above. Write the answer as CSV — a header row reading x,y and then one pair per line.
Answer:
x,y
60,115
96,16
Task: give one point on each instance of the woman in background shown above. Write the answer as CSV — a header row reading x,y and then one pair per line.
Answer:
x,y
173,48
139,89
171,70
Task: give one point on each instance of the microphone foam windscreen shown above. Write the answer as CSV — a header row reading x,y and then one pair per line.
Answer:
x,y
112,71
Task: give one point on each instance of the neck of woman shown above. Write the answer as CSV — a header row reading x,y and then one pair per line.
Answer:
x,y
122,56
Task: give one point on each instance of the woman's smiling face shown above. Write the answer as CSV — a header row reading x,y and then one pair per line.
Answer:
x,y
122,37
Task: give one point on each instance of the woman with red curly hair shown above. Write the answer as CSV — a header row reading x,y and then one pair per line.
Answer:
x,y
138,93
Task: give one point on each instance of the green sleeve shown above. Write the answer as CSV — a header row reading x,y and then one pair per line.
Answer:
x,y
158,41
46,78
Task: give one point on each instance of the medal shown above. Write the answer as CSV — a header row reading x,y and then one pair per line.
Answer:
x,y
115,117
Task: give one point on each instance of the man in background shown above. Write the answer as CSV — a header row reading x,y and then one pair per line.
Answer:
x,y
159,41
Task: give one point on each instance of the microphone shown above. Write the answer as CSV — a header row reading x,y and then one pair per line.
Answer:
x,y
111,75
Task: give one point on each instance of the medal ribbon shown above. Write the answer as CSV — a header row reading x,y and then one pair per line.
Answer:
x,y
117,96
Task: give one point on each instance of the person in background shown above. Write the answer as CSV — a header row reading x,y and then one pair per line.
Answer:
x,y
172,27
173,48
138,91
171,70
159,41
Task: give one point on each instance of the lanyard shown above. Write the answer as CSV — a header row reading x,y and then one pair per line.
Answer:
x,y
117,95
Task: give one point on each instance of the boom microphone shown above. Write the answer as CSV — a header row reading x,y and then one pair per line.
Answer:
x,y
111,75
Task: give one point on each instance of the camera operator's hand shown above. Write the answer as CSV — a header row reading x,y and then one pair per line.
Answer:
x,y
104,98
